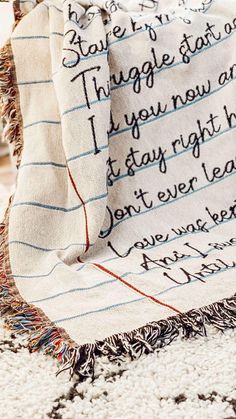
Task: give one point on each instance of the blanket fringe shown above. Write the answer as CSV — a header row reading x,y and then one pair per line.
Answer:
x,y
152,336
9,106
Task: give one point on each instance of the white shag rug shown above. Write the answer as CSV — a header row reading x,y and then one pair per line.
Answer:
x,y
189,379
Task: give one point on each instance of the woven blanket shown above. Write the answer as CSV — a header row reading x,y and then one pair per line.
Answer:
x,y
121,234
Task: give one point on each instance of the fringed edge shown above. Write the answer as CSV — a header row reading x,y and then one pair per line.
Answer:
x,y
18,14
9,104
152,336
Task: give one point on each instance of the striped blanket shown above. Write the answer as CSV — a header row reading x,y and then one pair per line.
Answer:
x,y
121,234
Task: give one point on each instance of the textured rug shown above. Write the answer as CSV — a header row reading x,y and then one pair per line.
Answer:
x,y
190,379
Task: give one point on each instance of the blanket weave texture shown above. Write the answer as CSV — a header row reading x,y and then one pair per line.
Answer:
x,y
121,233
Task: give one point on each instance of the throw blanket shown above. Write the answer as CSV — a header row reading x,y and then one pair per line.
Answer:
x,y
121,234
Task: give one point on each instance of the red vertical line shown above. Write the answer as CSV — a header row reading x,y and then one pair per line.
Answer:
x,y
84,209
136,289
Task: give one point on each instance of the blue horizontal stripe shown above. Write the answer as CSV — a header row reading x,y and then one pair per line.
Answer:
x,y
27,1
87,153
99,310
43,249
60,165
55,208
156,118
38,163
25,83
84,105
57,33
73,290
137,299
42,122
39,276
85,58
170,202
50,207
47,274
19,38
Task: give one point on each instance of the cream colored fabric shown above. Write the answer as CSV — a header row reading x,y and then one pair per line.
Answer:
x,y
129,117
